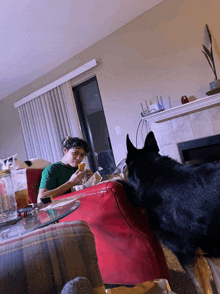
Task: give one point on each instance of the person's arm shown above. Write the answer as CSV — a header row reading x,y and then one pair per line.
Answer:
x,y
55,192
75,179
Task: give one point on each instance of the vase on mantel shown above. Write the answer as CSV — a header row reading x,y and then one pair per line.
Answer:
x,y
215,84
215,88
208,52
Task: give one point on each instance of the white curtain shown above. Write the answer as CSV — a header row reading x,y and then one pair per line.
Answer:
x,y
46,120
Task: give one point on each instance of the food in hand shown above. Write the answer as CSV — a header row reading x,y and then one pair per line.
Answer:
x,y
81,166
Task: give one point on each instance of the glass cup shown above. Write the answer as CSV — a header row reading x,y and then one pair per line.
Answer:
x,y
8,205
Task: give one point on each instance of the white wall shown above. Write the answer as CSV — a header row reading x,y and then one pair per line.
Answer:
x,y
157,54
11,138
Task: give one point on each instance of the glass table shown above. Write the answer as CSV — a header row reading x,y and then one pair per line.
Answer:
x,y
42,215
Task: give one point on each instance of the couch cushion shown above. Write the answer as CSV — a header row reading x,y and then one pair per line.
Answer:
x,y
45,259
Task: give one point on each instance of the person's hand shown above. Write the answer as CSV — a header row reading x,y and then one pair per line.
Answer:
x,y
76,178
88,174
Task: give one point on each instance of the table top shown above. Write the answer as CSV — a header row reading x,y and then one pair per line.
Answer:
x,y
42,215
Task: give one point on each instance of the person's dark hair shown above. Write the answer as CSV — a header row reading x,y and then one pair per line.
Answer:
x,y
75,142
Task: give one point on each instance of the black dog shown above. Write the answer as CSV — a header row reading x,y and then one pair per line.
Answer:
x,y
182,203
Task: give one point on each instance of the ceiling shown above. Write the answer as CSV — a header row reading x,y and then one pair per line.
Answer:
x,y
37,36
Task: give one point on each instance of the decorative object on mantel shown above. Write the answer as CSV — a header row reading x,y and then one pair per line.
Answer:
x,y
166,103
213,92
153,108
184,109
184,99
208,52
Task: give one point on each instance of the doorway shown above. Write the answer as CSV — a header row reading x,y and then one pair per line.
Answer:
x,y
94,127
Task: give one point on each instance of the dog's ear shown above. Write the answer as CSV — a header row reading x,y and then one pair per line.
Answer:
x,y
131,150
130,146
151,143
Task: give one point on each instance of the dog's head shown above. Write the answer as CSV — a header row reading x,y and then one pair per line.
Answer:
x,y
150,147
139,161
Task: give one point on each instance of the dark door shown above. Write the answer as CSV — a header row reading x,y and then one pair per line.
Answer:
x,y
94,126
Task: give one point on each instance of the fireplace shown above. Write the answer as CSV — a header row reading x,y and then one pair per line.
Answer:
x,y
200,151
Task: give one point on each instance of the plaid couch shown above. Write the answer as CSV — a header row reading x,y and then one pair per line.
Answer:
x,y
44,260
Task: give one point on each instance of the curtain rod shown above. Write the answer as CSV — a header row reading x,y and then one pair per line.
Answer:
x,y
76,72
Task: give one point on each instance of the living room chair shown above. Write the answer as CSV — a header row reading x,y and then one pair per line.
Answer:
x,y
33,183
60,257
44,260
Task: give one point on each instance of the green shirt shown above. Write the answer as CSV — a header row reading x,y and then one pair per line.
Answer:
x,y
55,175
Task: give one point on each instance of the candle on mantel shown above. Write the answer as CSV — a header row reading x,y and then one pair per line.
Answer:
x,y
184,99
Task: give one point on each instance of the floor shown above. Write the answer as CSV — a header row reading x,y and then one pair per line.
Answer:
x,y
179,282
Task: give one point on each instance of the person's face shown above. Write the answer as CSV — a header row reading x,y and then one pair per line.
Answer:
x,y
74,156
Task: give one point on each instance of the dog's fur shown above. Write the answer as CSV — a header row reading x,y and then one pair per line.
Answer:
x,y
182,202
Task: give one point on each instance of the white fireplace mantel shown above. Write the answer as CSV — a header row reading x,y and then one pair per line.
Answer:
x,y
184,109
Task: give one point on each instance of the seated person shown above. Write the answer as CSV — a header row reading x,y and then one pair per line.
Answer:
x,y
58,178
